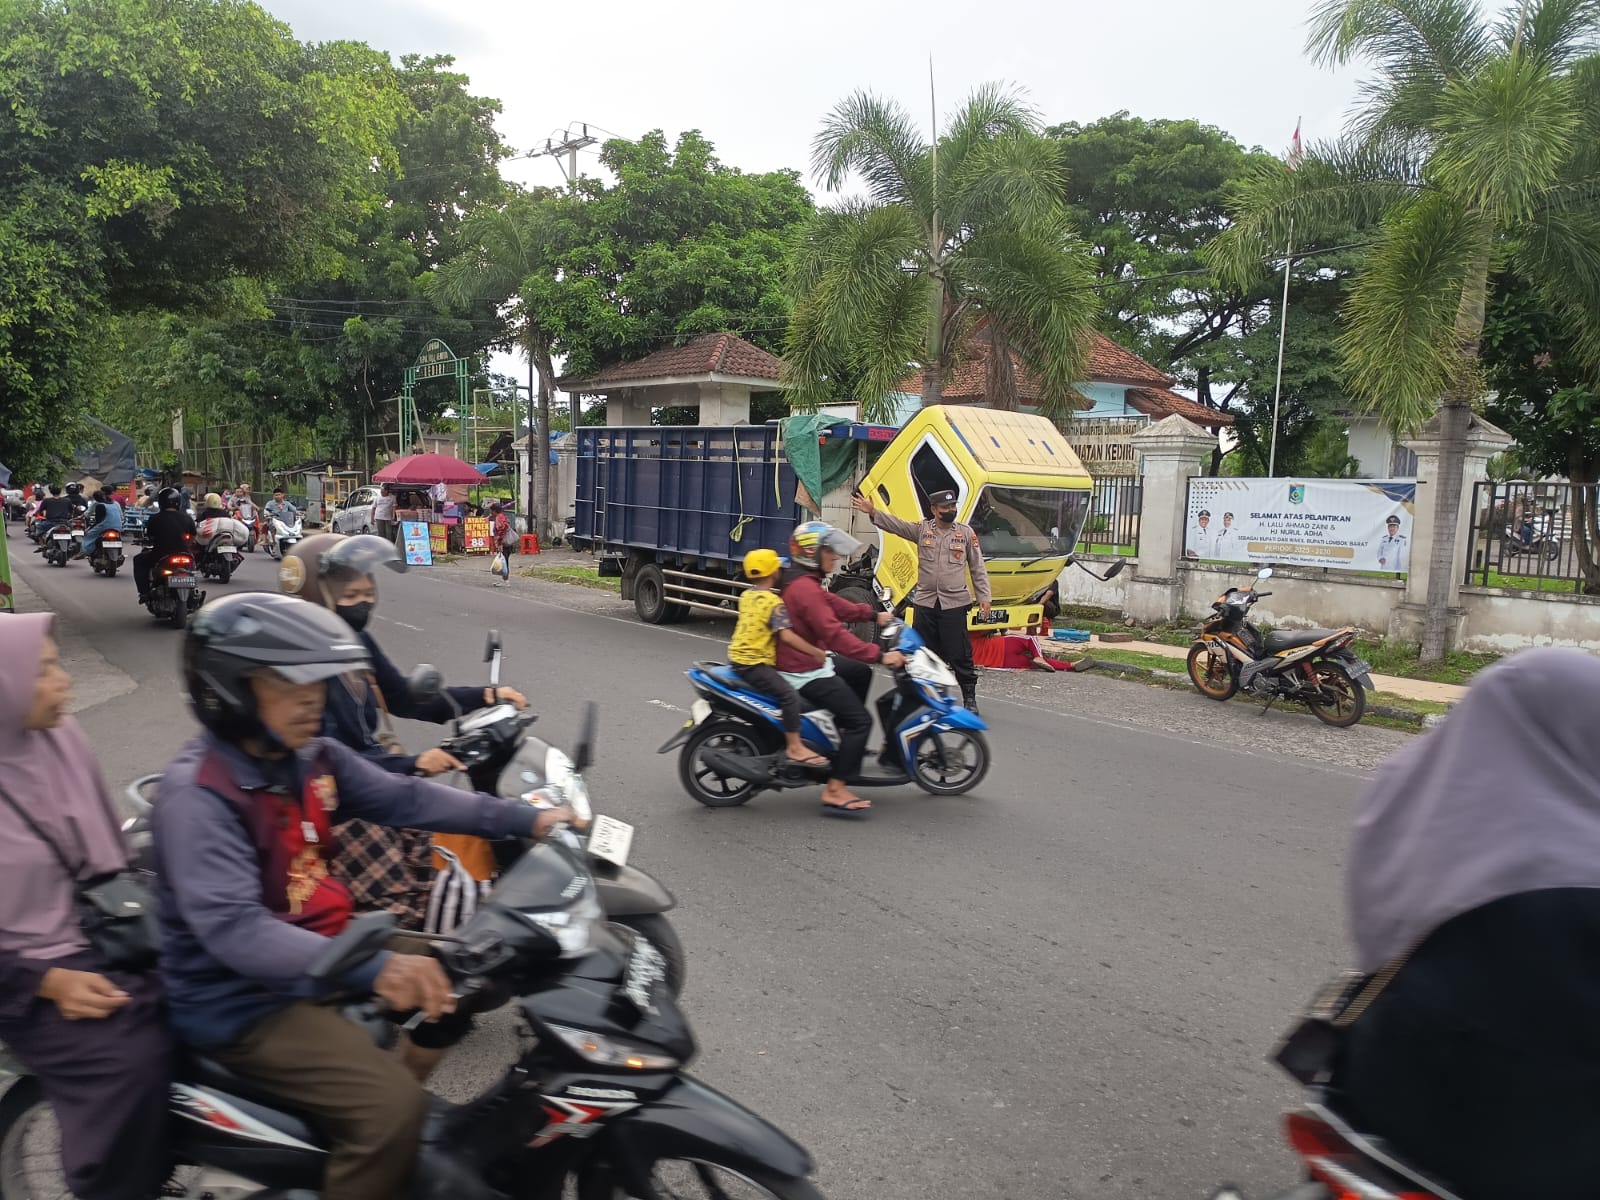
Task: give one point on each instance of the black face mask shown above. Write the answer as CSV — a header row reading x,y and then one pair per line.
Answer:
x,y
947,516
356,615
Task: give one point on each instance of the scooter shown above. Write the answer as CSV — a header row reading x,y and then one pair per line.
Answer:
x,y
1314,667
596,1102
107,556
173,593
219,541
59,543
1533,535
281,535
732,747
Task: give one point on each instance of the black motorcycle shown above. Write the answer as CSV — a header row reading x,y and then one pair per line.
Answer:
x,y
174,592
107,556
59,541
1314,667
597,1103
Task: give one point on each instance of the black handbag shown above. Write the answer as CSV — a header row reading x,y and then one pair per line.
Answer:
x,y
1307,1052
115,911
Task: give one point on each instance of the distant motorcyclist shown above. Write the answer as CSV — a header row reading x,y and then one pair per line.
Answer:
x,y
55,509
214,508
105,513
170,531
279,508
80,502
841,684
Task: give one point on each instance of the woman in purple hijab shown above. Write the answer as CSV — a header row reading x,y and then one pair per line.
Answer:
x,y
1477,850
93,1039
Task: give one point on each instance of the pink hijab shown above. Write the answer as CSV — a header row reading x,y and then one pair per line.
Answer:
x,y
52,774
1503,798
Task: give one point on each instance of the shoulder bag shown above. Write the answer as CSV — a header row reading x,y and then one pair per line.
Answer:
x,y
1307,1052
115,911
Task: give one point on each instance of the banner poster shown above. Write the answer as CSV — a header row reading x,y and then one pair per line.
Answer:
x,y
419,550
1349,524
439,539
476,532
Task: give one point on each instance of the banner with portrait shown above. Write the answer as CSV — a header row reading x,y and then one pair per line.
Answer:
x,y
1349,524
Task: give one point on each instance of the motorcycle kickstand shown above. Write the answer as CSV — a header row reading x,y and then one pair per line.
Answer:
x,y
1271,700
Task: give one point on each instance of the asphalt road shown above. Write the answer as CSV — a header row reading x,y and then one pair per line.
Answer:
x,y
1064,985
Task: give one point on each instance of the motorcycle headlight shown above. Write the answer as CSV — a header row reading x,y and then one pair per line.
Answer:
x,y
612,1052
572,927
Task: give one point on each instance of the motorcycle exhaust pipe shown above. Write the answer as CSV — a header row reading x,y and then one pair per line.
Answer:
x,y
751,770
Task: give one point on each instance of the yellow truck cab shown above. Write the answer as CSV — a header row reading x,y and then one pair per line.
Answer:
x,y
1018,484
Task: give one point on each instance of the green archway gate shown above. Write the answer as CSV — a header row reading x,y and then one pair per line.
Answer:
x,y
435,361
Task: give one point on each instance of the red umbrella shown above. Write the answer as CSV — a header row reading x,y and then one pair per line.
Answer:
x,y
420,469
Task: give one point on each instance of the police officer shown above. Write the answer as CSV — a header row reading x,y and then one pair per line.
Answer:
x,y
1394,552
946,551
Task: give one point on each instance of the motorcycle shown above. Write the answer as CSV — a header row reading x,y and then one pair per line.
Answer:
x,y
60,541
1533,535
732,746
597,1102
107,556
173,594
502,758
281,535
1343,1163
1314,667
220,539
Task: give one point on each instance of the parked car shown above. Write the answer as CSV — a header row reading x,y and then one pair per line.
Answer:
x,y
354,514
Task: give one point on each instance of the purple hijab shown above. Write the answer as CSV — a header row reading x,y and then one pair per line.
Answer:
x,y
52,774
1503,798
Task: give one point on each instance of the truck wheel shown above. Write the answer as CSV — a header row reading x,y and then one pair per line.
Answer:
x,y
857,594
676,614
650,595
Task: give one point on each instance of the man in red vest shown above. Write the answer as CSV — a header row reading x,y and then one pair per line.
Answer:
x,y
243,834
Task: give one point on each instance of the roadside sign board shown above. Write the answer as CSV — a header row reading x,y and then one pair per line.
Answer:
x,y
419,547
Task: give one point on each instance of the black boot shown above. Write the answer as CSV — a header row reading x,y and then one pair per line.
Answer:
x,y
969,698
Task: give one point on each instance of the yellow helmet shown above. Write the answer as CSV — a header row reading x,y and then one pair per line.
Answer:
x,y
213,500
758,564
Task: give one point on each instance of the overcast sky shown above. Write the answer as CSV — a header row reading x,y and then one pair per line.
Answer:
x,y
757,78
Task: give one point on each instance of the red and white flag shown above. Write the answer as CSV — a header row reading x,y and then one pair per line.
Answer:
x,y
1296,150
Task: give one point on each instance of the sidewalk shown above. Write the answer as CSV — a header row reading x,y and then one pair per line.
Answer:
x,y
1408,689
94,679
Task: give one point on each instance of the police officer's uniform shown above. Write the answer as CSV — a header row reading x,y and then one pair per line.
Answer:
x,y
946,553
1394,552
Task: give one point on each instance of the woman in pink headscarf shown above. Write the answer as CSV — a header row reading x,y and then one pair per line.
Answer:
x,y
1476,862
92,1038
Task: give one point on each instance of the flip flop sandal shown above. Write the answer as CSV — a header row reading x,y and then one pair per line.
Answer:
x,y
816,760
840,810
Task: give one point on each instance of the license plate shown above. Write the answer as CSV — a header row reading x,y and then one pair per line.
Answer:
x,y
699,712
646,971
62,537
1360,667
610,840
181,581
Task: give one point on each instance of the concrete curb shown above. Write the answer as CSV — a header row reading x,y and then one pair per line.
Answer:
x,y
94,679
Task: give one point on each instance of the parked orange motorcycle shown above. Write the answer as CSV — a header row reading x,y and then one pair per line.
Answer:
x,y
1314,667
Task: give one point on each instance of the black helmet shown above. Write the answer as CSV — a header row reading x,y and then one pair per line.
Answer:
x,y
168,497
74,489
38,491
249,632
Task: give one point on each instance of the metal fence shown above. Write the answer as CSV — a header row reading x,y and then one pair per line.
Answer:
x,y
1522,537
1112,526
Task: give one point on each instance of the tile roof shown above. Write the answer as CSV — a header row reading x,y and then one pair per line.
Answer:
x,y
967,383
1108,363
708,354
1112,364
1157,404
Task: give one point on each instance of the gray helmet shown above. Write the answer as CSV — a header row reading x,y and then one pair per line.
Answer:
x,y
810,538
250,632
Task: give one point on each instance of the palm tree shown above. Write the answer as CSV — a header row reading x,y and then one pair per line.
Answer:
x,y
1475,147
507,263
969,228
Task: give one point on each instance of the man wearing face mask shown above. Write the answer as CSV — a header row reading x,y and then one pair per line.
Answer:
x,y
947,551
384,868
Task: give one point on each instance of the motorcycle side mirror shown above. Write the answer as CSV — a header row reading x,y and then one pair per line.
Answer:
x,y
583,752
425,683
491,655
361,939
1264,573
1116,569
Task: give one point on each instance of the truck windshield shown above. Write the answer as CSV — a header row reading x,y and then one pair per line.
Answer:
x,y
1029,522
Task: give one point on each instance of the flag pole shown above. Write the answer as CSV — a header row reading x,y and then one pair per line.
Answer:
x,y
1283,330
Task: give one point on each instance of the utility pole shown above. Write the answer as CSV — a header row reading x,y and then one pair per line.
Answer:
x,y
570,147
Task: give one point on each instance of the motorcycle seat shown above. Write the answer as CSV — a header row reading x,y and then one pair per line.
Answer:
x,y
1293,639
201,1071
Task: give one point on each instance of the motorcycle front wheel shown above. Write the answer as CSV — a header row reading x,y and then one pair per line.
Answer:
x,y
1342,700
30,1150
697,1179
1211,674
950,762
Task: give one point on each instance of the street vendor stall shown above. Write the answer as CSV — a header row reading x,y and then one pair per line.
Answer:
x,y
416,480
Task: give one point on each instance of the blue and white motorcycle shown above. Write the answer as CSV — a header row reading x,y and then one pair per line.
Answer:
x,y
732,745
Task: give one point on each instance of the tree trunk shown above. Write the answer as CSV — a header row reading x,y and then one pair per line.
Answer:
x,y
539,453
1585,519
1000,376
933,367
1455,419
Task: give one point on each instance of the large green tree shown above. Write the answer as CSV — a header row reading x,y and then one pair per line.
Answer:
x,y
154,153
1477,146
970,227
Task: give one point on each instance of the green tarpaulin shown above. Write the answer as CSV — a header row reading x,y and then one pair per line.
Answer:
x,y
819,465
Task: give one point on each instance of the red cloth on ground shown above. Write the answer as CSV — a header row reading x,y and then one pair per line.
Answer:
x,y
1010,652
